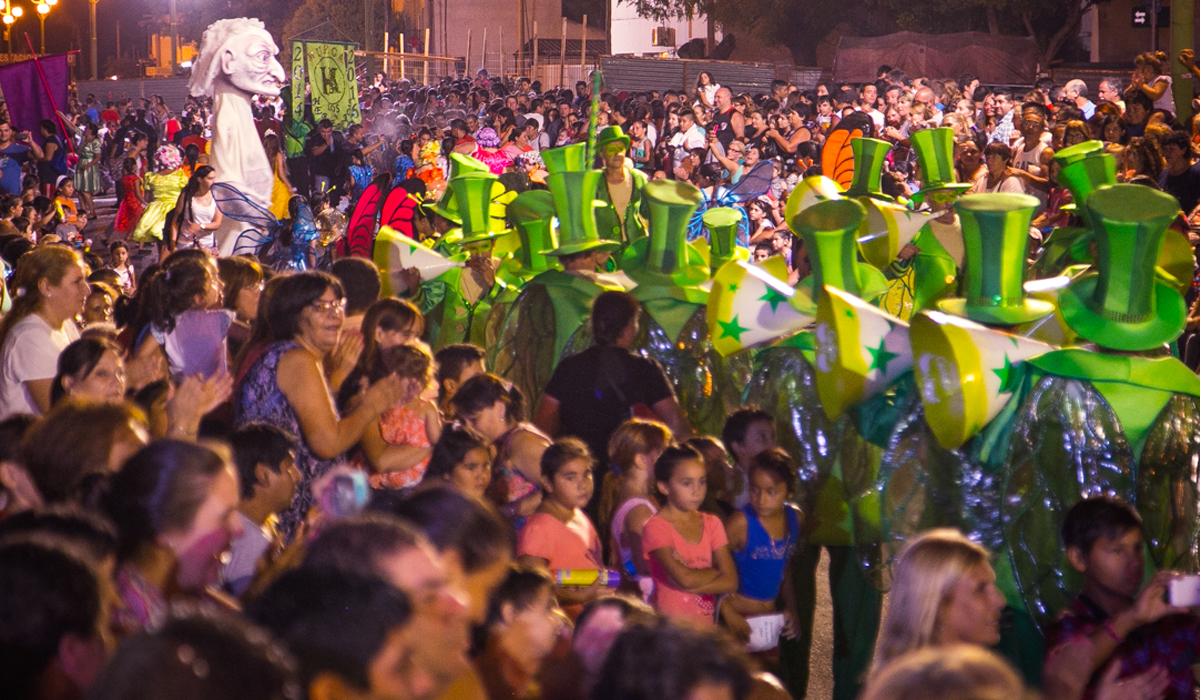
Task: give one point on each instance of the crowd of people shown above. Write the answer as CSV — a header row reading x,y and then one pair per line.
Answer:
x,y
223,480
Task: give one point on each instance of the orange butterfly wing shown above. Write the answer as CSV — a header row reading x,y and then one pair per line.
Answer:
x,y
837,158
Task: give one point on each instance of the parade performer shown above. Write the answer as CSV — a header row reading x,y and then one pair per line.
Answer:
x,y
456,303
166,182
531,214
674,328
237,60
934,264
1121,418
621,190
836,464
547,320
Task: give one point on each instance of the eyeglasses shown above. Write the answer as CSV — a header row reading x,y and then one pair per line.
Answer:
x,y
329,307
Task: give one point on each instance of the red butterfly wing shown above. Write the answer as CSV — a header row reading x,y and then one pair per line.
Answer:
x,y
360,231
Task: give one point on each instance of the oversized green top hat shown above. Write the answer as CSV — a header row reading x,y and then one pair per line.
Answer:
x,y
1123,305
473,192
1079,151
664,258
995,230
829,230
566,159
935,155
532,215
1084,174
869,155
447,206
722,224
575,204
610,134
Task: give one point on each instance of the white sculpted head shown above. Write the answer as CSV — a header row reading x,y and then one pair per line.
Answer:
x,y
241,52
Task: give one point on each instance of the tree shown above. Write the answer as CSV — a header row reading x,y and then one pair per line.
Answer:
x,y
346,16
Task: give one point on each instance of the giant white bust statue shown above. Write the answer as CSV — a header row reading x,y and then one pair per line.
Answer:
x,y
237,61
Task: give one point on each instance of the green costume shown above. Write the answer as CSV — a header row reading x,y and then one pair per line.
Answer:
x,y
1124,419
668,271
453,314
546,321
836,465
532,217
624,226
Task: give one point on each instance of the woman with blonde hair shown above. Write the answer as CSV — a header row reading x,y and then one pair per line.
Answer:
x,y
49,290
626,496
943,593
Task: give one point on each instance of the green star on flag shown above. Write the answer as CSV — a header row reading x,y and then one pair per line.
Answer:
x,y
1005,374
880,357
774,298
731,329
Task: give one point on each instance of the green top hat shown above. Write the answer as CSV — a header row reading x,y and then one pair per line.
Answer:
x,y
608,135
473,192
567,159
1079,151
1123,305
532,215
829,230
664,258
447,206
995,230
935,155
723,224
575,204
869,155
1084,175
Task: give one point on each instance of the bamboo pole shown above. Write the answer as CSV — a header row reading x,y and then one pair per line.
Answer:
x,y
467,67
425,81
583,51
502,52
403,50
562,56
483,51
533,73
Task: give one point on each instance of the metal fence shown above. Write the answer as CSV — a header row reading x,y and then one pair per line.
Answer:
x,y
418,68
174,91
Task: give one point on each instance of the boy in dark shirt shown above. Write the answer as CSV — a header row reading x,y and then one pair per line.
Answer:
x,y
1114,614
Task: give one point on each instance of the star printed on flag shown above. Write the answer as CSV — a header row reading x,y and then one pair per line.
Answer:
x,y
1005,374
774,298
732,329
880,357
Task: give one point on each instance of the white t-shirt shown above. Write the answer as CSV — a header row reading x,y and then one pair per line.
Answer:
x,y
30,353
1167,99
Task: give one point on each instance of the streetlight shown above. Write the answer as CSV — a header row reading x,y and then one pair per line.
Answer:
x,y
10,14
43,9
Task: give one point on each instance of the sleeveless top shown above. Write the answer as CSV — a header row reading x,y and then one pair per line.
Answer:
x,y
724,129
202,215
259,399
761,563
400,425
514,484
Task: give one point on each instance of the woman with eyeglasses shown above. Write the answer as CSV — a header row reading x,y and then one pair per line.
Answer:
x,y
287,387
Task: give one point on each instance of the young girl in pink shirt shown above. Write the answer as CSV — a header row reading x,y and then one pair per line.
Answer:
x,y
559,536
687,551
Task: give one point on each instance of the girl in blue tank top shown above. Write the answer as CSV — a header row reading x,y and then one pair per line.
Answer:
x,y
763,536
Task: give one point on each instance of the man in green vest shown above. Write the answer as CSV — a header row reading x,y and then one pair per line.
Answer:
x,y
621,218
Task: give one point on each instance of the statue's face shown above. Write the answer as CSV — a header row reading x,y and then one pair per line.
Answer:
x,y
250,64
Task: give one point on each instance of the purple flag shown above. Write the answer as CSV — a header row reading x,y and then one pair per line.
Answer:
x,y
25,92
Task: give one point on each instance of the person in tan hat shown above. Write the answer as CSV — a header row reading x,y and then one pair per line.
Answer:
x,y
621,190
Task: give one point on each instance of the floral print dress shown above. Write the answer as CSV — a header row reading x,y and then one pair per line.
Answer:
x,y
259,399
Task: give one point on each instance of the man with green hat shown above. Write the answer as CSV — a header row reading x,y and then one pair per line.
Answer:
x,y
930,266
1121,417
620,219
833,455
546,320
669,271
531,215
456,304
935,471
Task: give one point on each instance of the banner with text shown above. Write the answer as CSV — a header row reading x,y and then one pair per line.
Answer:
x,y
329,67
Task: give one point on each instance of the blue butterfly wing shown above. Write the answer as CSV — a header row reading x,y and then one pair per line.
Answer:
x,y
237,206
753,184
